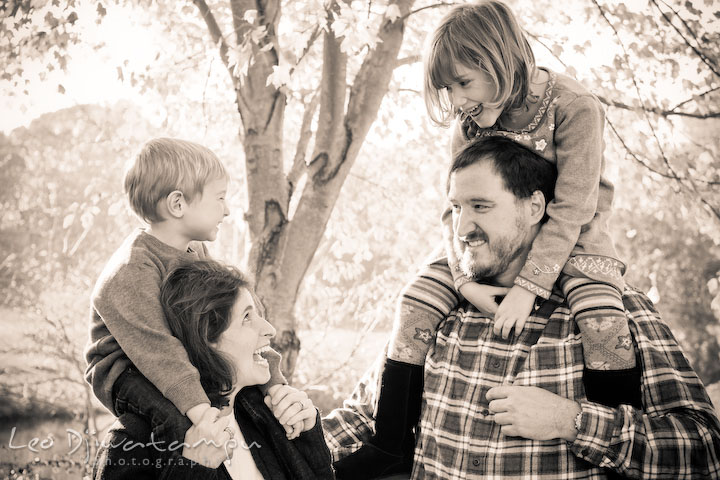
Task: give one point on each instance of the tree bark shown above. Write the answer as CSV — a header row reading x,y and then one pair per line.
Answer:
x,y
282,248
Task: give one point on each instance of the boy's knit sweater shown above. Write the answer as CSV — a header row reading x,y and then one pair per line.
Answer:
x,y
128,326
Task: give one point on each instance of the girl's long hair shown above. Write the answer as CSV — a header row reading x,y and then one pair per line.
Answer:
x,y
484,36
198,299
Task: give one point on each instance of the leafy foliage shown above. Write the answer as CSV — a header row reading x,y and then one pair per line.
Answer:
x,y
654,65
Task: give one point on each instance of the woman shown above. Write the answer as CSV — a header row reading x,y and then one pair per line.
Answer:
x,y
212,310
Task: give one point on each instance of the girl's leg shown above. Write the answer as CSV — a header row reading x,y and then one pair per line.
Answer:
x,y
612,376
599,312
422,305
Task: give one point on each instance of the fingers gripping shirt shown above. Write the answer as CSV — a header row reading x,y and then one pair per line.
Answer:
x,y
675,435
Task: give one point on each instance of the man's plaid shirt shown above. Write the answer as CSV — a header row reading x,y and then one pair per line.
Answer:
x,y
677,435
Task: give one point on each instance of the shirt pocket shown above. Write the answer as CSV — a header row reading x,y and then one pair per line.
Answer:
x,y
554,366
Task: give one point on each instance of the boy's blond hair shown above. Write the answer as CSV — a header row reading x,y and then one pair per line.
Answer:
x,y
485,36
166,164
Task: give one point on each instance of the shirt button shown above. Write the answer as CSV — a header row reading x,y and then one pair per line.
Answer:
x,y
476,462
496,364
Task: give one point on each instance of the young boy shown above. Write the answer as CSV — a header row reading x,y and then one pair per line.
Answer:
x,y
178,188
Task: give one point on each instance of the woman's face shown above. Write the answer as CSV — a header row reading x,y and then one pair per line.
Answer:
x,y
247,337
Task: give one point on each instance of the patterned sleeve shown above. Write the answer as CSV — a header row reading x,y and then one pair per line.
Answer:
x,y
678,433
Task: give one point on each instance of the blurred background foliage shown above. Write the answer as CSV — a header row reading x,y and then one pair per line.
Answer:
x,y
655,65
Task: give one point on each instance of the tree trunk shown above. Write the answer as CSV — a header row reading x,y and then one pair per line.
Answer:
x,y
282,248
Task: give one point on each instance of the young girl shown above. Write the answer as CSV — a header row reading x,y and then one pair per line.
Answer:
x,y
480,70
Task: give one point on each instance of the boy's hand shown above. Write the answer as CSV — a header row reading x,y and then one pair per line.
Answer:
x,y
293,409
211,422
482,296
196,413
210,441
513,311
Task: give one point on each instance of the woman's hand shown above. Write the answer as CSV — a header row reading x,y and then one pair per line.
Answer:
x,y
293,409
211,441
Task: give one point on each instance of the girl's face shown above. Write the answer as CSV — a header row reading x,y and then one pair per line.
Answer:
x,y
247,337
470,94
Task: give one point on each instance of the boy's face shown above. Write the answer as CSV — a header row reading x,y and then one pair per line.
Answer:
x,y
206,212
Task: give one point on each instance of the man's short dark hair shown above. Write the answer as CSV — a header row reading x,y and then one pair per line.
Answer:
x,y
522,170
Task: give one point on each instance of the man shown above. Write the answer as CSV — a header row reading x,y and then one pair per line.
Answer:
x,y
517,407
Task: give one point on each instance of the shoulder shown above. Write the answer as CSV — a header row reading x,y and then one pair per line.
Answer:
x,y
569,93
136,251
643,315
577,112
133,265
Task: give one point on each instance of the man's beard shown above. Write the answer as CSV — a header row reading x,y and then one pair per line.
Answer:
x,y
500,252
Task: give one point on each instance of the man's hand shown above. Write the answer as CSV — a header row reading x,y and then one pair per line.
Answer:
x,y
533,413
293,409
210,442
482,296
513,311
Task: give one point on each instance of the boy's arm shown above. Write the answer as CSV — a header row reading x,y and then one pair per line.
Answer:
x,y
129,304
579,145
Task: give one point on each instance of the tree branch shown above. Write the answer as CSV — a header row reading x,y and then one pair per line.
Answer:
x,y
626,57
204,103
215,34
658,111
634,156
426,7
624,106
333,92
706,92
408,60
695,49
305,134
313,36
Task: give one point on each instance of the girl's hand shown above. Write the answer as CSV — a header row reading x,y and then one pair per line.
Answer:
x,y
482,296
513,311
293,409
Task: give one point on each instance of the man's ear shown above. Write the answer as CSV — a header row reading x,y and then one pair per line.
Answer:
x,y
537,207
175,204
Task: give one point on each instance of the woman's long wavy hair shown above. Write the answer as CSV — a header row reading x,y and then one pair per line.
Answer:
x,y
486,36
198,299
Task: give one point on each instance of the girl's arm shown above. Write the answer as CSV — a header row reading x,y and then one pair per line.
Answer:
x,y
578,142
